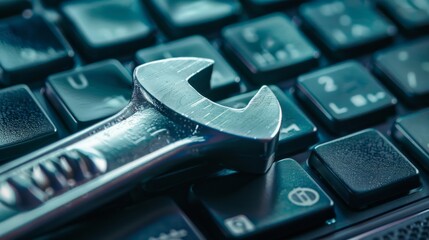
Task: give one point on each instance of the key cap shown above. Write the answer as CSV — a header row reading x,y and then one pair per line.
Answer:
x,y
24,124
345,97
297,132
266,54
185,17
364,168
244,206
411,15
348,27
107,28
13,7
406,70
224,79
31,49
87,95
412,132
162,219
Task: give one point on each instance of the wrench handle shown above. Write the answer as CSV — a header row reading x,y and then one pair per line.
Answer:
x,y
95,167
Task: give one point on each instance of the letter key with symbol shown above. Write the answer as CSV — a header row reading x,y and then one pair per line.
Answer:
x,y
243,206
167,123
90,93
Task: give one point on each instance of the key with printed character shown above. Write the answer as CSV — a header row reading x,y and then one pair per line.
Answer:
x,y
347,27
345,96
89,94
406,69
266,54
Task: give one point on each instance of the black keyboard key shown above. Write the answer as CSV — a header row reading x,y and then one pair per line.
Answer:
x,y
24,125
406,70
345,97
108,28
185,17
347,27
13,7
156,219
265,53
411,15
286,197
224,79
88,94
297,131
412,131
31,49
364,168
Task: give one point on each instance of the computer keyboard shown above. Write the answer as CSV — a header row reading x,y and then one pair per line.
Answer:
x,y
351,78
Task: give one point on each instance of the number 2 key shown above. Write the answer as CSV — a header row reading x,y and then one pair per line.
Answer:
x,y
345,96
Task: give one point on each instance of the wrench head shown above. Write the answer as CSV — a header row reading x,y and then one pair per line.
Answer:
x,y
249,135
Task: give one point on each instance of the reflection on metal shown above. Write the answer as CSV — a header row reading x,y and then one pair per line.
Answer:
x,y
167,122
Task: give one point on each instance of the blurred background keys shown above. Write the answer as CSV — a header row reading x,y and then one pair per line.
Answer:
x,y
406,70
364,168
243,205
224,79
24,124
411,15
13,7
265,53
31,49
345,97
89,94
107,28
185,17
346,27
297,131
412,132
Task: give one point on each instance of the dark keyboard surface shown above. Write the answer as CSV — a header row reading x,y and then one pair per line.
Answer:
x,y
351,77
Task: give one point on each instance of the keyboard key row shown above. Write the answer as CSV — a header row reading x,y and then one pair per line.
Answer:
x,y
345,97
262,52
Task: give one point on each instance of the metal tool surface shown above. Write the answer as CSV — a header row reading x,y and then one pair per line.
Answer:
x,y
167,122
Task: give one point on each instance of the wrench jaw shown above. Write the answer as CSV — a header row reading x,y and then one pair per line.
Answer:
x,y
253,150
248,135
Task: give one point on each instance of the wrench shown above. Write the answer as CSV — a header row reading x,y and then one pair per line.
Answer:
x,y
167,123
